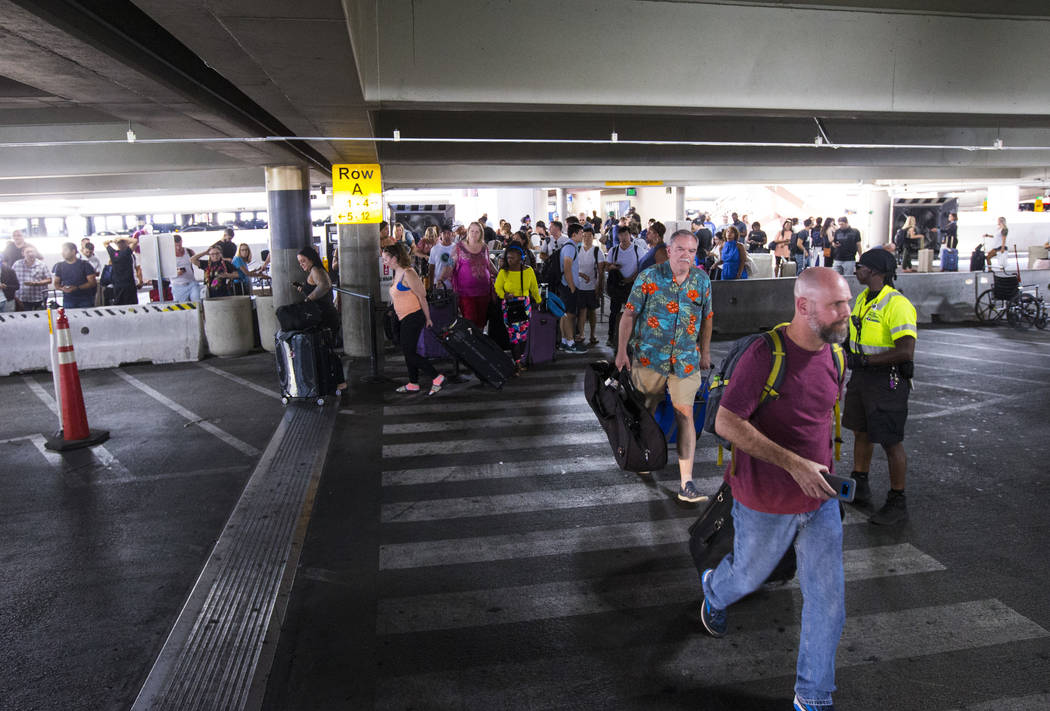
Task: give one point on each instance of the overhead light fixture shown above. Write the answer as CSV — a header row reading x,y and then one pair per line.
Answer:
x,y
615,137
397,135
131,134
998,144
818,141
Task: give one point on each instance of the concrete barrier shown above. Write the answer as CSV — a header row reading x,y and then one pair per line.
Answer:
x,y
105,337
267,317
228,325
940,297
1035,254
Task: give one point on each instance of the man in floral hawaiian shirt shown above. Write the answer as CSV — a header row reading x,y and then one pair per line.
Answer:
x,y
667,321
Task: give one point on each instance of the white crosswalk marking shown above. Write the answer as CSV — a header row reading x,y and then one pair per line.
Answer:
x,y
700,660
543,601
550,421
438,509
474,444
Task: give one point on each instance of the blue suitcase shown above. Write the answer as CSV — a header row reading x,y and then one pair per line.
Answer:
x,y
949,260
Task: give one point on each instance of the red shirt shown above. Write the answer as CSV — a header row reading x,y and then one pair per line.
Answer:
x,y
799,420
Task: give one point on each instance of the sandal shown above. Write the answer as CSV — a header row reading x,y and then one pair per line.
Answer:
x,y
435,385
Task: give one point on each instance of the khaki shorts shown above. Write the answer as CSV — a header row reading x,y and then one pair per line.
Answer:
x,y
651,385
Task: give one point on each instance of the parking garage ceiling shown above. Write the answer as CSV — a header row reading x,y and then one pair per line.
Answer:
x,y
712,80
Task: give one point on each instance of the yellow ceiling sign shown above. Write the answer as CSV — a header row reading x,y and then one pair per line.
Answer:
x,y
632,183
357,194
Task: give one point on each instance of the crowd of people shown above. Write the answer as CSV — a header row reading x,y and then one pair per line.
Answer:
x,y
85,279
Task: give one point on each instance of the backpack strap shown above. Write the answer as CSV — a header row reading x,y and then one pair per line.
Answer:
x,y
839,359
778,366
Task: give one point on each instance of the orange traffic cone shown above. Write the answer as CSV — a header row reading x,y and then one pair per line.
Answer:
x,y
75,432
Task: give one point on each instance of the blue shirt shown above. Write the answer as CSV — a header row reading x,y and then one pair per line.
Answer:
x,y
570,250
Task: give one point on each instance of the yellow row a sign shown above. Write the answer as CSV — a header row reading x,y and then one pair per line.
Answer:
x,y
357,194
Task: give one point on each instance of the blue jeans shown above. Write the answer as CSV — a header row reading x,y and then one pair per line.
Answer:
x,y
800,263
760,542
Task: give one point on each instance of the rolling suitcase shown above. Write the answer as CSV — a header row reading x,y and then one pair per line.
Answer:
x,y
543,336
949,260
497,329
637,442
443,310
711,539
307,367
465,341
925,260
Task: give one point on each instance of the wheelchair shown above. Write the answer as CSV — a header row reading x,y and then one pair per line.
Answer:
x,y
1021,305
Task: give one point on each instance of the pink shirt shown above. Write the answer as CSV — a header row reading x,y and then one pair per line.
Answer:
x,y
799,420
471,275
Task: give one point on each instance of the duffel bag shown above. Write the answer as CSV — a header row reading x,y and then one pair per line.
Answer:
x,y
637,442
302,316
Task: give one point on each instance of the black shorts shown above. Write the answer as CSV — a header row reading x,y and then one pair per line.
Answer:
x,y
586,300
872,407
570,300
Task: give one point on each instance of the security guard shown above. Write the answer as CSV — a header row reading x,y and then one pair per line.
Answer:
x,y
881,355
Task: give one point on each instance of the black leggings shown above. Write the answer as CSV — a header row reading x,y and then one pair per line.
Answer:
x,y
411,326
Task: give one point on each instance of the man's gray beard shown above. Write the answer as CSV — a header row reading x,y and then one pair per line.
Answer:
x,y
829,334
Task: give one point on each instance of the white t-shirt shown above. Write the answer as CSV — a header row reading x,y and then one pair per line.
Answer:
x,y
588,264
643,246
551,245
441,258
627,259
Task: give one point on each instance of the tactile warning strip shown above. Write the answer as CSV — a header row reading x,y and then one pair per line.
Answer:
x,y
212,654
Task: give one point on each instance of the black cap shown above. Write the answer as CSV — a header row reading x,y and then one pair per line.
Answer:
x,y
879,260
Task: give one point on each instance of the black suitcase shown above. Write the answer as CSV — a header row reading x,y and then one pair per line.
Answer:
x,y
301,316
307,366
711,538
638,443
466,342
497,326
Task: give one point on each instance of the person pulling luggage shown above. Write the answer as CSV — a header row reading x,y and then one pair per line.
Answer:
x,y
780,452
318,289
409,299
667,321
518,290
881,357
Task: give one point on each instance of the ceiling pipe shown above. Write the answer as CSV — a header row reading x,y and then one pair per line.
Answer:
x,y
540,141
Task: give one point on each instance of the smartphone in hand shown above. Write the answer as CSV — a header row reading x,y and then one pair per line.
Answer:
x,y
844,486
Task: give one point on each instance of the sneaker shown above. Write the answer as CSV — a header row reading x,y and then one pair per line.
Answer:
x,y
800,706
577,348
689,494
560,346
893,512
714,621
408,388
862,495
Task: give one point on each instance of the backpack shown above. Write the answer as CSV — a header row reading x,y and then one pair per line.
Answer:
x,y
551,274
778,368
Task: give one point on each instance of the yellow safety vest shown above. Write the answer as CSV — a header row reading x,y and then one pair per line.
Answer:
x,y
883,320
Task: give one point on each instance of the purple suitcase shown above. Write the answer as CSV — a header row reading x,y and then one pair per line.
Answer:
x,y
443,311
543,335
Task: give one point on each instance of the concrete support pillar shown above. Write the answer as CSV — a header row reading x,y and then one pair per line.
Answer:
x,y
880,215
288,200
679,203
359,272
563,209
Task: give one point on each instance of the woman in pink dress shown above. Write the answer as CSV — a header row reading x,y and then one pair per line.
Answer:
x,y
472,275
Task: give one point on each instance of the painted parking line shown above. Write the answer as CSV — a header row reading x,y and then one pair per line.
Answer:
x,y
102,455
696,660
191,416
240,381
476,444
